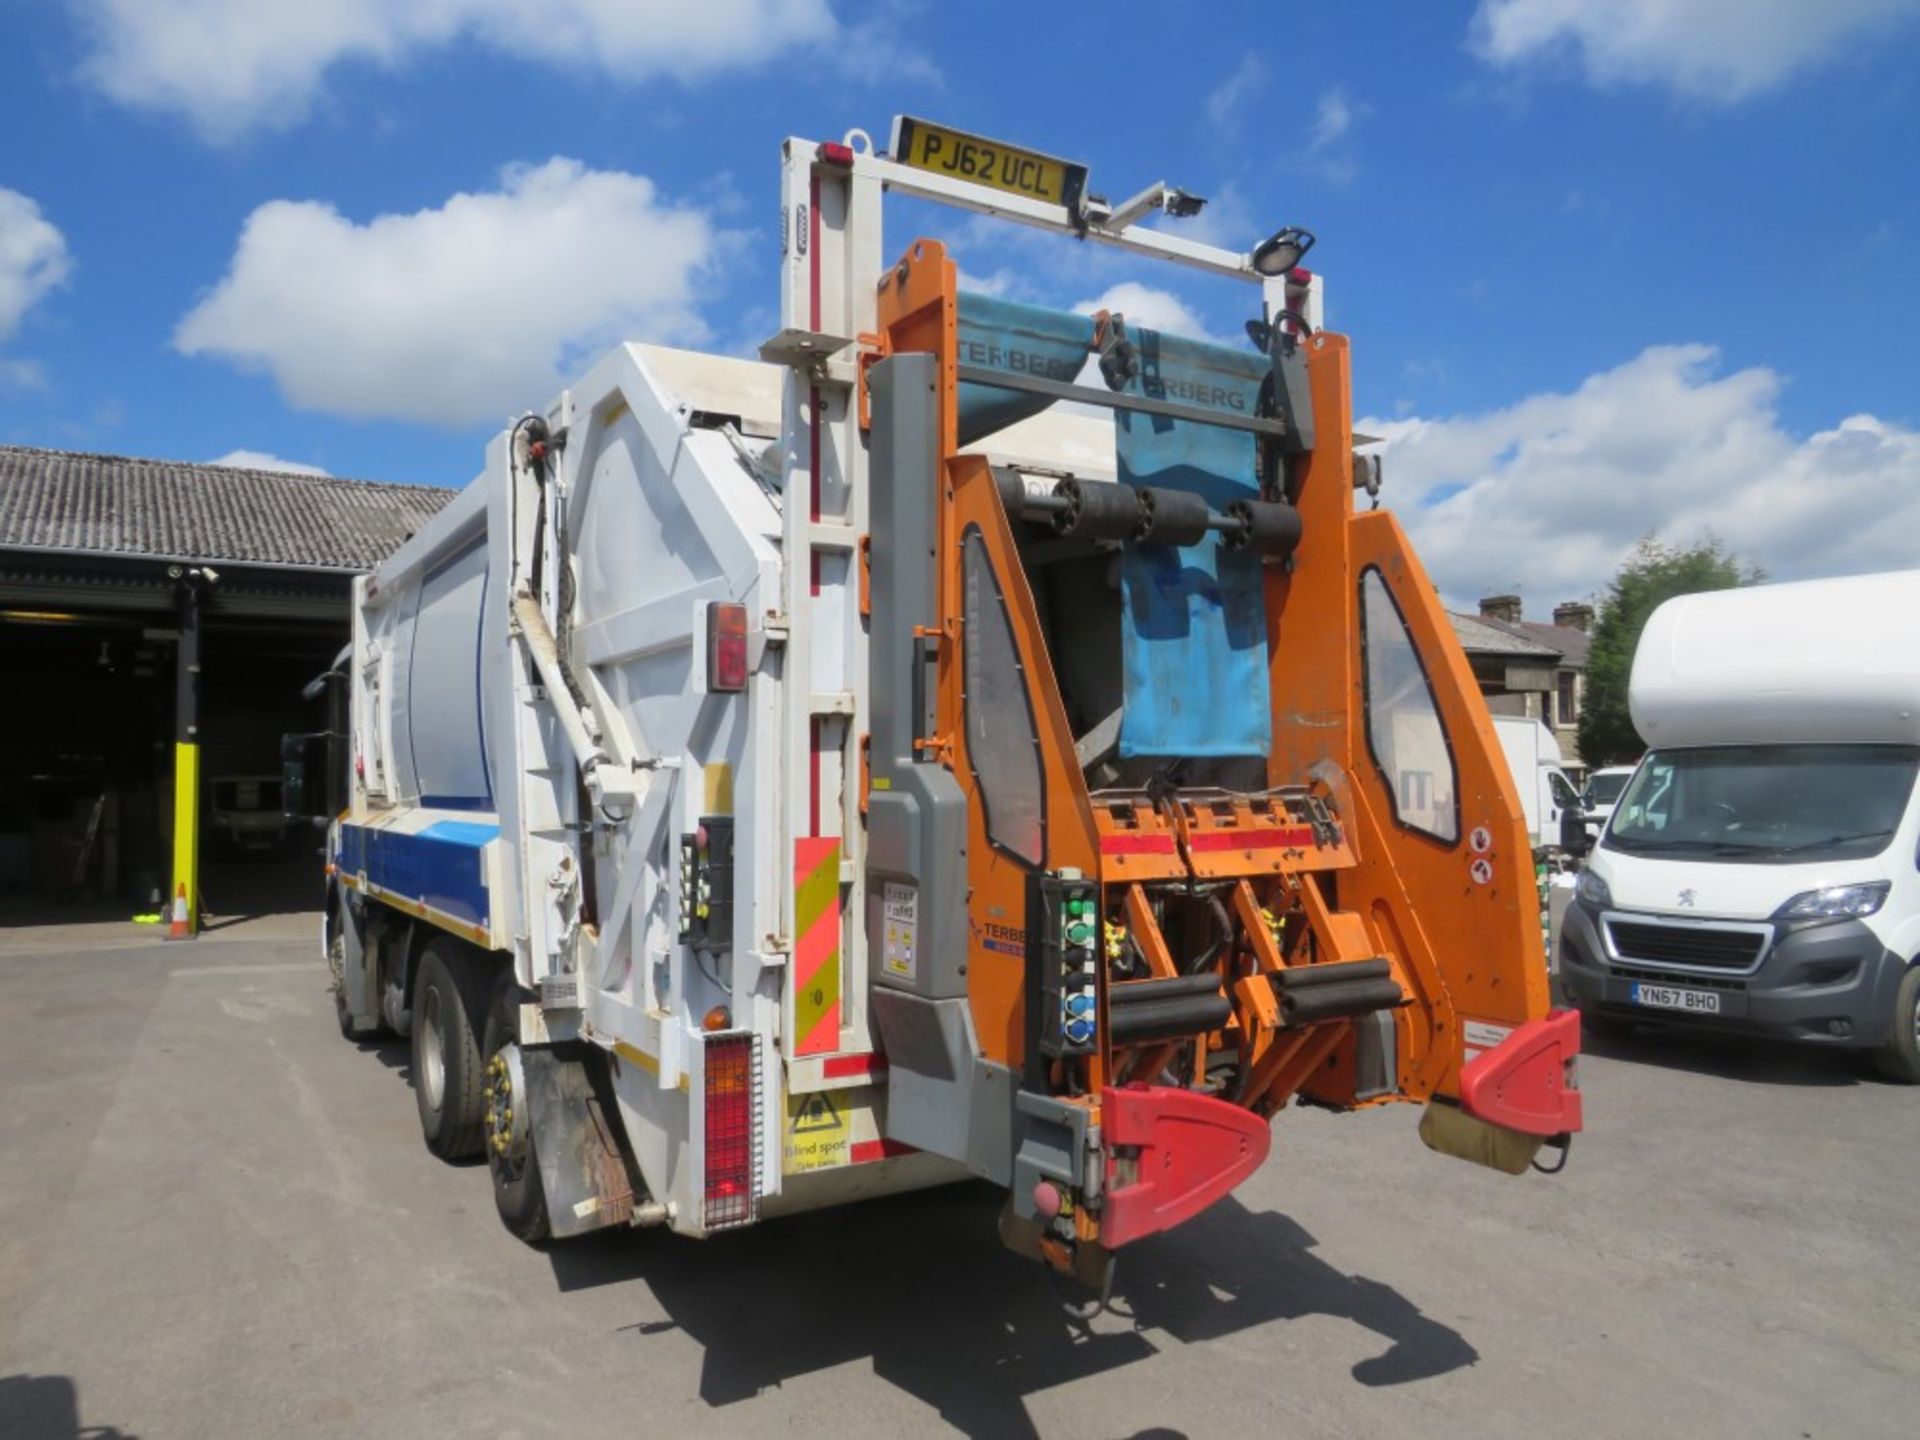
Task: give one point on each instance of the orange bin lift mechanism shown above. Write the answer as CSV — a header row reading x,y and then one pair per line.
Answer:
x,y
1318,870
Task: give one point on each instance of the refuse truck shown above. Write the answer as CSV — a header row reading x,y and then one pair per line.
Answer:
x,y
971,740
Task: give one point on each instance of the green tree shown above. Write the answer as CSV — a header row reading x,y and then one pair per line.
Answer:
x,y
1652,574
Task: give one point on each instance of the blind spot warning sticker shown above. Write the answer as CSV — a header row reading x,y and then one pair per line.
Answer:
x,y
817,1133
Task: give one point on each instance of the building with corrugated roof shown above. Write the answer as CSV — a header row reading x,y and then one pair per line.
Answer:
x,y
113,570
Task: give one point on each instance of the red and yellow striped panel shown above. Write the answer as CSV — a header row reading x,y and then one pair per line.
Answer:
x,y
816,951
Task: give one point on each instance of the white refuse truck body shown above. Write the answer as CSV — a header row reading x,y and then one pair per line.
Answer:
x,y
750,810
1759,871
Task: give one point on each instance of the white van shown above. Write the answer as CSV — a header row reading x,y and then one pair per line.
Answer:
x,y
1545,791
1602,794
1761,872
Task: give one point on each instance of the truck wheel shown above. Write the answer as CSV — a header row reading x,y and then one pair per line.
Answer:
x,y
1899,1057
447,1076
1605,1027
517,1192
337,964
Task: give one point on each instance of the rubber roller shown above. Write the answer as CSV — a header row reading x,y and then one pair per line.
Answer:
x,y
1135,992
1172,1019
1301,977
1267,527
1097,510
1171,517
1334,1002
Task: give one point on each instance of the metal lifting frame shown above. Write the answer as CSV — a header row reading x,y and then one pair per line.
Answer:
x,y
832,256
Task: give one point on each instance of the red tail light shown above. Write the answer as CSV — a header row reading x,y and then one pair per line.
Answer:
x,y
726,646
732,1138
834,153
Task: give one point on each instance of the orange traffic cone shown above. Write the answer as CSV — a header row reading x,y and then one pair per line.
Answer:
x,y
177,929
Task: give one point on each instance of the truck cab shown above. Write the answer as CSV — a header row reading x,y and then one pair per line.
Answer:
x,y
1760,870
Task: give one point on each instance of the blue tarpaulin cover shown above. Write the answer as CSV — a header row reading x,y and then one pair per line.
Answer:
x,y
1194,639
1194,629
1022,340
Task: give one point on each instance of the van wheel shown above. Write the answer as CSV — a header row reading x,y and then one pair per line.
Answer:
x,y
517,1192
1898,1058
447,1076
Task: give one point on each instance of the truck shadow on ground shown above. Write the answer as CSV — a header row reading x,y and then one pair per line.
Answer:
x,y
1736,1057
920,1285
47,1407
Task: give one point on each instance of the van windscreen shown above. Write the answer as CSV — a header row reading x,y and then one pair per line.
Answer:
x,y
1766,804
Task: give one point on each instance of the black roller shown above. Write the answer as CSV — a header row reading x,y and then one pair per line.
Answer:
x,y
1097,510
1300,977
1013,490
1267,527
1172,1019
1133,992
1331,1002
1171,517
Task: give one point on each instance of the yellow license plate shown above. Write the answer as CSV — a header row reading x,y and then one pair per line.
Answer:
x,y
960,156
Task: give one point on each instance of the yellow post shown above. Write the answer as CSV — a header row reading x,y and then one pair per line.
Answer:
x,y
183,904
183,900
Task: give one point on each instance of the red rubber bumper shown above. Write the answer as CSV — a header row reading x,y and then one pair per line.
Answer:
x,y
1526,1082
1171,1154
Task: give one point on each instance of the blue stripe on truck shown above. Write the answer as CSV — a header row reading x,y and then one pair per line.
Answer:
x,y
439,868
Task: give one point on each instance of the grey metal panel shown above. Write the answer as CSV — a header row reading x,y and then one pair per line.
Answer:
x,y
1053,1146
941,1096
1376,1055
916,815
442,691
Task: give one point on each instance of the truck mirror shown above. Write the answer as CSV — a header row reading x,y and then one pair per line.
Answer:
x,y
305,768
1574,839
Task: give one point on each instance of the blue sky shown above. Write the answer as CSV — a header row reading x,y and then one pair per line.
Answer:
x,y
1646,272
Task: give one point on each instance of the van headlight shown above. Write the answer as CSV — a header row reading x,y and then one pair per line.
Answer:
x,y
1592,889
1836,902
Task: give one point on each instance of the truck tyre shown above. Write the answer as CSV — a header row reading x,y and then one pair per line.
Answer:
x,y
1898,1057
337,964
518,1193
447,1074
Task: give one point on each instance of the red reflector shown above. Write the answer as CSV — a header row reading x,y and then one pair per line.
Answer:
x,y
726,646
1300,277
834,153
1526,1082
733,1093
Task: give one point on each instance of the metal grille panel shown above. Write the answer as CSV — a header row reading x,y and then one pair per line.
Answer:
x,y
1701,946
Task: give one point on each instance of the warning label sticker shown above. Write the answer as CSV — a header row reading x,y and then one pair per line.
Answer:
x,y
1481,1036
816,1136
901,907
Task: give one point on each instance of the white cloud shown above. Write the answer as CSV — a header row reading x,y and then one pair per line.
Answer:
x,y
1554,491
1720,51
33,260
229,65
261,460
1331,120
1231,94
463,313
1151,308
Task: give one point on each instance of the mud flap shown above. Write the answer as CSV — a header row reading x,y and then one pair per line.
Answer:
x,y
1174,1154
581,1168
